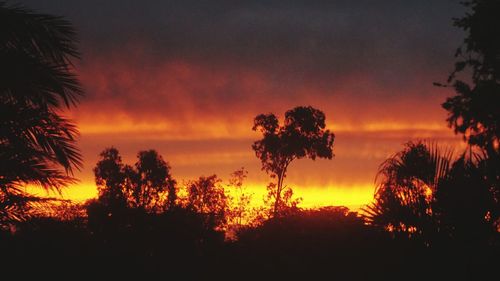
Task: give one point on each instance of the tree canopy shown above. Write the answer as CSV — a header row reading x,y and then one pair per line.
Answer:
x,y
303,134
147,185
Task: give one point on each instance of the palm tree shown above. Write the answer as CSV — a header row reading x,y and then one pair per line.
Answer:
x,y
423,192
37,144
406,184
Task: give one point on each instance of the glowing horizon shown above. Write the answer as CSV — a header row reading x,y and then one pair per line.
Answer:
x,y
319,183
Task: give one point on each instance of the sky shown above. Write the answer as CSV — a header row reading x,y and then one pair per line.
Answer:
x,y
187,78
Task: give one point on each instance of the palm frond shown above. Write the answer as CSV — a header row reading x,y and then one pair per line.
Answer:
x,y
32,80
36,52
405,185
17,206
48,36
28,129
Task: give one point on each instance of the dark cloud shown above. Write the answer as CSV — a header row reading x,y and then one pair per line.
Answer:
x,y
304,41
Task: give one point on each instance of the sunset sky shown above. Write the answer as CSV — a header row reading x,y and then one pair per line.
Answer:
x,y
187,78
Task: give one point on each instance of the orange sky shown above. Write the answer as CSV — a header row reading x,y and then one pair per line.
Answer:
x,y
187,79
215,137
346,180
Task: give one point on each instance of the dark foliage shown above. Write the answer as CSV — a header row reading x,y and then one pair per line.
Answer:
x,y
207,197
148,185
475,110
132,243
37,144
428,196
327,243
405,188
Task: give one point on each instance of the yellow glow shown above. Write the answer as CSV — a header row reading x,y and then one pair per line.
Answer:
x,y
353,197
78,193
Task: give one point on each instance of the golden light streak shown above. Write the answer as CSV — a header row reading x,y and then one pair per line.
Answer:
x,y
350,196
77,193
206,128
162,129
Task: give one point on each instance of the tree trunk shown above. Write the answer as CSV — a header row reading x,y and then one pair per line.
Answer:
x,y
278,195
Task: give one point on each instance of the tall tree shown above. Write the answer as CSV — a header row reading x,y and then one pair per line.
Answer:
x,y
36,84
475,109
303,134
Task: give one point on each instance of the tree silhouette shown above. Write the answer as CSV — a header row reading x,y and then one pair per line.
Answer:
x,y
464,202
150,180
303,134
36,83
404,194
240,211
474,111
148,185
110,178
207,196
287,204
423,193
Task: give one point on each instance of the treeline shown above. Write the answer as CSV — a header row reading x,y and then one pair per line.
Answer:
x,y
331,241
433,215
149,187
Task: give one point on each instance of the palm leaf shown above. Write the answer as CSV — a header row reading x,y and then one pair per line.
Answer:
x,y
36,52
402,197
